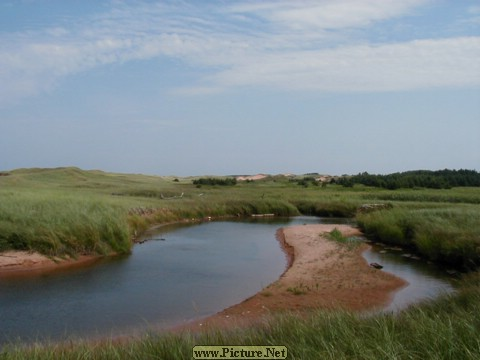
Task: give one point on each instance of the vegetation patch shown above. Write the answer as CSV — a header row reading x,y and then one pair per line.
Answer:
x,y
58,226
441,179
445,235
327,207
305,181
299,290
337,236
229,181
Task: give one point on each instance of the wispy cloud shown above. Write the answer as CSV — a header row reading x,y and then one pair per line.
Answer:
x,y
301,45
327,15
416,64
474,19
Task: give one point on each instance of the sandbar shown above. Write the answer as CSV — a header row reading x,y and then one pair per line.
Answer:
x,y
321,274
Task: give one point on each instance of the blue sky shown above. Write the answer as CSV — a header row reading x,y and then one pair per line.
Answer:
x,y
240,87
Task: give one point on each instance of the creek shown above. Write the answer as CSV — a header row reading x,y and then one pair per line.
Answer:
x,y
183,272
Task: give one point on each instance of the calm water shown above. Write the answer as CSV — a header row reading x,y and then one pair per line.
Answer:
x,y
182,273
425,281
196,271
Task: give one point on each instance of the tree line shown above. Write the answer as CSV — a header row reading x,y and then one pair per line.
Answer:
x,y
439,179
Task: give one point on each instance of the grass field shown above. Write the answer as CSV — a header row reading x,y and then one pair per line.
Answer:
x,y
68,211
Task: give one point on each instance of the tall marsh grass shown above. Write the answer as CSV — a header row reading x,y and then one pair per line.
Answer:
x,y
448,235
455,195
61,224
327,207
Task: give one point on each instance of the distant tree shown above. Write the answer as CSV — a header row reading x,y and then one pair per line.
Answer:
x,y
216,181
441,179
306,181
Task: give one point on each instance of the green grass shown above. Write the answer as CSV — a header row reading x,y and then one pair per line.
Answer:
x,y
68,211
456,195
300,289
351,242
61,224
449,235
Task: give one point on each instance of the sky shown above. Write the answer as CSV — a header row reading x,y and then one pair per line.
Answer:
x,y
224,87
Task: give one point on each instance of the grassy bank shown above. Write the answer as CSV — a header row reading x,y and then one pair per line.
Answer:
x,y
68,211
61,224
446,328
449,235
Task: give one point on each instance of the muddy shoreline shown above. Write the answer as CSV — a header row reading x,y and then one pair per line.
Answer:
x,y
27,263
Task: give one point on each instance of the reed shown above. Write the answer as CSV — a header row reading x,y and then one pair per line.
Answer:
x,y
60,224
454,195
328,207
349,242
449,235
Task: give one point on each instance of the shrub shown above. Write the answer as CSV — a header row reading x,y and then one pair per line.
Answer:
x,y
216,181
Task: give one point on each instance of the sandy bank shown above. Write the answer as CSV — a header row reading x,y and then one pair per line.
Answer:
x,y
321,274
25,263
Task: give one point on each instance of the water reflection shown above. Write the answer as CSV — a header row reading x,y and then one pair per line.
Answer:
x,y
425,281
196,271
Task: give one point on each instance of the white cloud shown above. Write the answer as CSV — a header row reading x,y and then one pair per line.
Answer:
x,y
474,10
326,14
474,19
279,44
404,66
